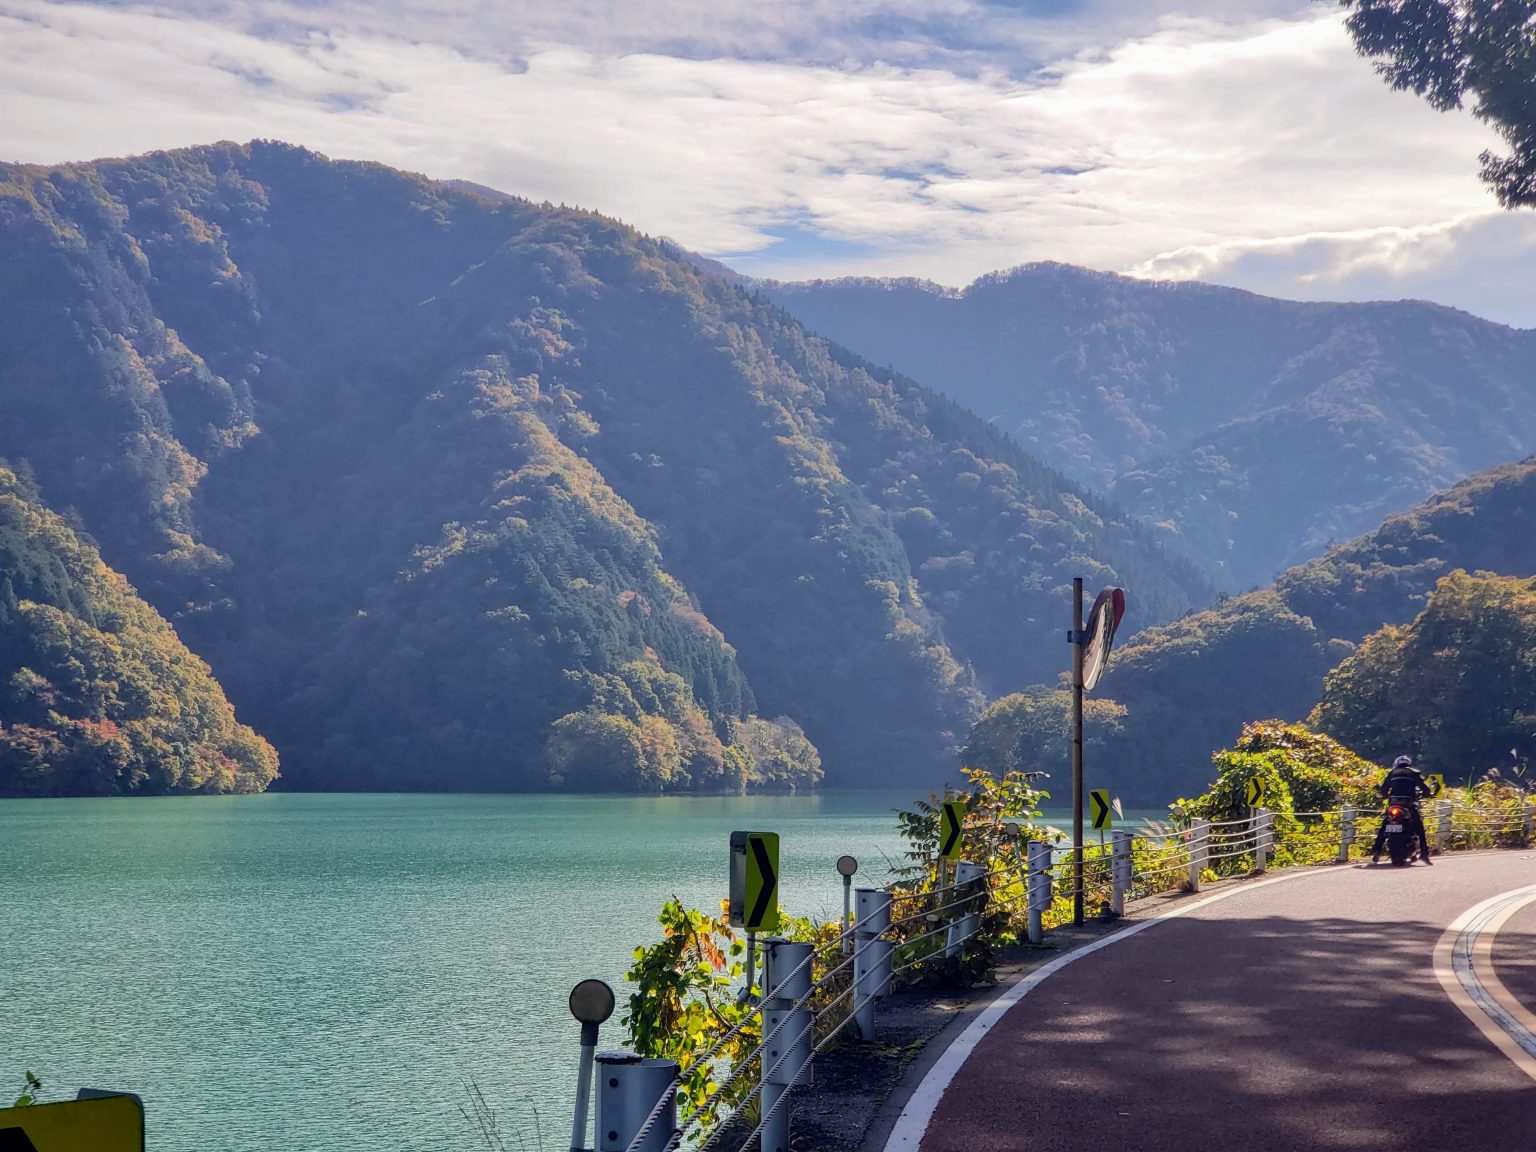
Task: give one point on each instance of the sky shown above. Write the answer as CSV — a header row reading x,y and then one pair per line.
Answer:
x,y
1239,142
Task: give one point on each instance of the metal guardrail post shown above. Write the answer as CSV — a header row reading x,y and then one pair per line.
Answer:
x,y
1119,872
1346,833
1263,838
1199,850
787,1037
1442,824
1039,889
965,925
629,1089
871,956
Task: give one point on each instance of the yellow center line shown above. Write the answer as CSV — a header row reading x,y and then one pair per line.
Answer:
x,y
1464,967
1482,964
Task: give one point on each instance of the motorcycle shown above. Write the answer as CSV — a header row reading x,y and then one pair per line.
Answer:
x,y
1402,842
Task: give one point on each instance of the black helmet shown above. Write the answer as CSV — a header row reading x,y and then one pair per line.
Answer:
x,y
1403,762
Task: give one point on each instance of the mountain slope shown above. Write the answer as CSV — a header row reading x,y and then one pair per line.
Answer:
x,y
429,475
1190,685
97,694
1252,432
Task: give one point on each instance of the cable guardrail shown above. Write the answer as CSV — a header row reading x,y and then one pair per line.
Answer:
x,y
811,1000
745,1062
973,891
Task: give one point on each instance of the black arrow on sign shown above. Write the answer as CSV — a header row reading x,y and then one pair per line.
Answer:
x,y
15,1140
770,882
951,830
1100,810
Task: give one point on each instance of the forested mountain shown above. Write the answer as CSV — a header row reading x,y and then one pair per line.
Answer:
x,y
1187,688
1456,687
460,491
1253,433
97,695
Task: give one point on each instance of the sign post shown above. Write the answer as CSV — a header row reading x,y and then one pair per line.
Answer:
x,y
591,1002
1077,750
1090,652
846,867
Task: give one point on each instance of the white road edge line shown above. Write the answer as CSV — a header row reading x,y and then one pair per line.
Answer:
x,y
907,1134
1464,967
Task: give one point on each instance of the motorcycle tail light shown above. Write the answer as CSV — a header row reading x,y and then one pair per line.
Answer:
x,y
1394,811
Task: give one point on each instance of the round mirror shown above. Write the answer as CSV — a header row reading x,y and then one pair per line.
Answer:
x,y
591,1002
1011,829
847,865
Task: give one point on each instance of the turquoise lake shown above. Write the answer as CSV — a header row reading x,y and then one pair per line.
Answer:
x,y
328,972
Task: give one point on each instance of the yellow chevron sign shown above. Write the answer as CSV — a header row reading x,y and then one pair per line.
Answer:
x,y
951,825
1103,816
754,895
102,1124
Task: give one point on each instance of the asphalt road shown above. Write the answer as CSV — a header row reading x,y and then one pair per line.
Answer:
x,y
1301,1015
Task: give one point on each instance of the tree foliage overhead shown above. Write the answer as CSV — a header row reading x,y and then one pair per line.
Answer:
x,y
1251,433
97,694
1453,51
461,491
1456,687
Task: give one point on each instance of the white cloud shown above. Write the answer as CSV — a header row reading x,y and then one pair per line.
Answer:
x,y
908,136
1473,261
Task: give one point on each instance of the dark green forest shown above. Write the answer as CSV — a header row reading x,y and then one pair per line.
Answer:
x,y
1251,433
97,695
1455,687
459,491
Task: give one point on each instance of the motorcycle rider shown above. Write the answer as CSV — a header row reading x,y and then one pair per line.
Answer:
x,y
1404,785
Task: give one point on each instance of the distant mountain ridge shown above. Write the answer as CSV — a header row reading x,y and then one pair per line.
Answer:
x,y
458,491
1251,432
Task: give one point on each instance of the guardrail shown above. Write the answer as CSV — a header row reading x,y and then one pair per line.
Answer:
x,y
813,995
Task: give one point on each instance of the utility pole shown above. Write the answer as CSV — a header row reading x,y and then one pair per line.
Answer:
x,y
1077,750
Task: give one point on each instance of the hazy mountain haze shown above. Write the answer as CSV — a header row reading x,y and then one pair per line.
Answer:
x,y
1253,432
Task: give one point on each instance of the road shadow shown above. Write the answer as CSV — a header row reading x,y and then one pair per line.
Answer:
x,y
1251,1034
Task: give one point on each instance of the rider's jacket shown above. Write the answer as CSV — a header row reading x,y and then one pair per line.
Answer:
x,y
1405,785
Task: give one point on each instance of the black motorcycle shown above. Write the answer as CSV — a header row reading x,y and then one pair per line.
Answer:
x,y
1402,840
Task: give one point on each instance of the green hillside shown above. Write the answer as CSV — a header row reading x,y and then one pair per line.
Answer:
x,y
1252,433
1456,687
445,485
1188,687
97,694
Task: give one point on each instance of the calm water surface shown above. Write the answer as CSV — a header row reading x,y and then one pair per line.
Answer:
x,y
326,972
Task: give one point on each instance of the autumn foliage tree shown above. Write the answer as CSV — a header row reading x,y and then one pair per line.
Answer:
x,y
97,693
1456,687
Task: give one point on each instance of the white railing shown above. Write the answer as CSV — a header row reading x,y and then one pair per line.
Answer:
x,y
860,965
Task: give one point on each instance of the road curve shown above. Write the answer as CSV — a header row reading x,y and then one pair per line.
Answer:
x,y
1299,1015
